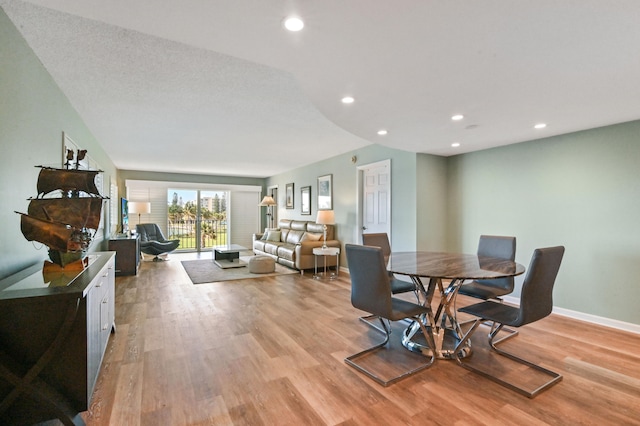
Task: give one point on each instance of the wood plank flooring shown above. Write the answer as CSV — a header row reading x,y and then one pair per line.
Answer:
x,y
270,351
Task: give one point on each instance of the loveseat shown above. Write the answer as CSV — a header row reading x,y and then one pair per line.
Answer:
x,y
292,243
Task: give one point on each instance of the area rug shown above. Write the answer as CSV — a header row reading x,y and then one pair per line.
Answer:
x,y
205,271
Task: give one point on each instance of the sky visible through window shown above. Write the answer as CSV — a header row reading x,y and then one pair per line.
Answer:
x,y
185,194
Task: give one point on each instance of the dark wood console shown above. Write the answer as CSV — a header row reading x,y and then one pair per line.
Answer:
x,y
127,254
54,330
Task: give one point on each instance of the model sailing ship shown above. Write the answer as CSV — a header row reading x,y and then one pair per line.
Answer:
x,y
66,223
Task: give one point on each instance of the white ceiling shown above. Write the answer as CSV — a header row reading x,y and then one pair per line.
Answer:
x,y
218,87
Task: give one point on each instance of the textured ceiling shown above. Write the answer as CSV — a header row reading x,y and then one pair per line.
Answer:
x,y
218,87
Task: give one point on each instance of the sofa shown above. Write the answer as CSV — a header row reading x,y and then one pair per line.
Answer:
x,y
292,243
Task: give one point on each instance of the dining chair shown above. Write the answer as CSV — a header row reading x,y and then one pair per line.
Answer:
x,y
503,248
536,303
371,292
398,286
492,246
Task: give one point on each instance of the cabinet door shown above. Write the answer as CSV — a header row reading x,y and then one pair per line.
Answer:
x,y
97,316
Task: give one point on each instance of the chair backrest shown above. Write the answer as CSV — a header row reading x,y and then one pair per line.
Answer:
x,y
536,299
500,247
370,288
149,232
378,240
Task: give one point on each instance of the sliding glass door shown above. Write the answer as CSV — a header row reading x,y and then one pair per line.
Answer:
x,y
197,218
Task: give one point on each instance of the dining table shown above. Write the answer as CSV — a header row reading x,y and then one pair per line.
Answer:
x,y
446,273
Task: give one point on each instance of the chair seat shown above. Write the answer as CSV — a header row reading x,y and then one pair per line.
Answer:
x,y
493,311
401,309
158,247
481,290
399,286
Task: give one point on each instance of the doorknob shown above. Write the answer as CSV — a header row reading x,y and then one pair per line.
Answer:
x,y
364,228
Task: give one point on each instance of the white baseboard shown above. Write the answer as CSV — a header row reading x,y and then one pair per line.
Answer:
x,y
594,319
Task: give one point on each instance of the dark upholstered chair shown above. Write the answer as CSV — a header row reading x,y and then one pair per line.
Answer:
x,y
536,302
153,242
492,246
371,292
382,240
397,286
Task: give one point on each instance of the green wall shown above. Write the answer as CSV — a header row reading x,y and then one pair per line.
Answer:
x,y
33,115
580,190
431,196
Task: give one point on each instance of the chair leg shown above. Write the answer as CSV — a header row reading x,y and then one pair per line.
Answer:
x,y
387,330
511,333
366,319
555,377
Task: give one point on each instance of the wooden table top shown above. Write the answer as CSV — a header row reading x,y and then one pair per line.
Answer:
x,y
452,265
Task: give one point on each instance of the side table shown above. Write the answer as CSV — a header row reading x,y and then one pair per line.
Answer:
x,y
328,251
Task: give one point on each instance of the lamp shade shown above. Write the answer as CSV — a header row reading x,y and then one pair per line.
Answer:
x,y
139,207
325,217
267,201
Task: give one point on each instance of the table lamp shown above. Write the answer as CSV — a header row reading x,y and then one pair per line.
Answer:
x,y
325,217
269,202
139,207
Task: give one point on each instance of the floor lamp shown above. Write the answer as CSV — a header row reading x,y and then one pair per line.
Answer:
x,y
139,207
269,202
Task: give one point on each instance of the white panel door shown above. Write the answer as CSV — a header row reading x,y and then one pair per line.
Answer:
x,y
376,198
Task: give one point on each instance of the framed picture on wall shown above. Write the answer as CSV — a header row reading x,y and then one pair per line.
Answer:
x,y
325,192
289,196
305,203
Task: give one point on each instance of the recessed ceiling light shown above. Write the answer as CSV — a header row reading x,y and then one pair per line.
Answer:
x,y
540,126
455,144
382,132
457,117
293,23
347,100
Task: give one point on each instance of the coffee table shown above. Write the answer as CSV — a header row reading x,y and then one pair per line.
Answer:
x,y
228,256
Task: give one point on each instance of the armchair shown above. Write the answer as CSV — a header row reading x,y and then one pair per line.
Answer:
x,y
153,242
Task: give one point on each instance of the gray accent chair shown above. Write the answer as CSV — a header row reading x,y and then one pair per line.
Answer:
x,y
153,241
536,302
398,286
371,292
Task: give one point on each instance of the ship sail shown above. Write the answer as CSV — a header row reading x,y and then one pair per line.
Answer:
x,y
74,180
57,236
76,212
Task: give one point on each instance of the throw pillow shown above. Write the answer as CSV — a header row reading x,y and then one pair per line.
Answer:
x,y
273,236
266,233
308,236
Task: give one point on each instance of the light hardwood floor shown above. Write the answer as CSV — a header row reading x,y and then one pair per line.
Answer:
x,y
270,351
